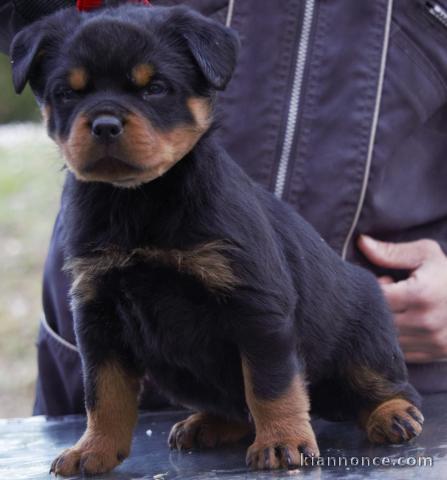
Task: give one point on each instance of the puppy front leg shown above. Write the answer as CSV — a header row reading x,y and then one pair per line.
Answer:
x,y
111,387
111,417
284,435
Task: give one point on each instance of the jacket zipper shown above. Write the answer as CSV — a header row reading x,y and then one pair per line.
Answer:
x,y
230,13
295,99
437,11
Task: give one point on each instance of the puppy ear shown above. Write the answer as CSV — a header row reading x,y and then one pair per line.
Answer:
x,y
27,50
213,46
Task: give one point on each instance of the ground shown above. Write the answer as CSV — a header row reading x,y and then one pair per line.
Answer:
x,y
30,184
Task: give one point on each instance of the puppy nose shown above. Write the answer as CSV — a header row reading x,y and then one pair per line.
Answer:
x,y
107,128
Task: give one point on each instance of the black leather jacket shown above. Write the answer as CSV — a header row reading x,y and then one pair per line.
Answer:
x,y
339,107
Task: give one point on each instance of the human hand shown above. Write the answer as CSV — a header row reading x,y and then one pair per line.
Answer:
x,y
419,303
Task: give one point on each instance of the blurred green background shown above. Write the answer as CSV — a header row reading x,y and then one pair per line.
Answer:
x,y
14,108
30,184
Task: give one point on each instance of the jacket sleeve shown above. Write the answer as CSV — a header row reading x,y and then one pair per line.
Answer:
x,y
15,14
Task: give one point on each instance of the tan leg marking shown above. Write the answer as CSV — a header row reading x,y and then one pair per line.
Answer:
x,y
393,421
371,384
106,442
202,430
283,429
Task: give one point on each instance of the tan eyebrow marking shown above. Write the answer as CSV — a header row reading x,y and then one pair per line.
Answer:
x,y
142,74
78,78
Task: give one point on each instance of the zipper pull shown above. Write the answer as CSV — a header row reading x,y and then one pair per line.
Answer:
x,y
437,11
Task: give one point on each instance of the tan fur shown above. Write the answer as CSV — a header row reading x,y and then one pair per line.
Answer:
x,y
77,148
393,421
206,262
201,112
142,74
157,152
372,383
284,421
46,114
78,78
106,442
203,430
150,151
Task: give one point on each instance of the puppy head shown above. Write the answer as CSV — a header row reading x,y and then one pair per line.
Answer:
x,y
126,92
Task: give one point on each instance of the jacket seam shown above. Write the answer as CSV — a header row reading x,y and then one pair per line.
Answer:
x,y
374,126
420,59
56,336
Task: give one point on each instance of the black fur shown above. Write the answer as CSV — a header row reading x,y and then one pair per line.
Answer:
x,y
297,307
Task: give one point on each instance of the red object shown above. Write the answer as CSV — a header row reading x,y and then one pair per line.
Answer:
x,y
87,5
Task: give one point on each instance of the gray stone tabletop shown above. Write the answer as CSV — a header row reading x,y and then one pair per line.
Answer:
x,y
27,447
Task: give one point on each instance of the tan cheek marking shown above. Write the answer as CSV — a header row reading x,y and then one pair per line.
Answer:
x,y
141,144
76,149
158,152
78,78
154,151
176,144
142,74
46,113
181,140
201,112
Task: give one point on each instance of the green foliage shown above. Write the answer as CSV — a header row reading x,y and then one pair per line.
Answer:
x,y
14,108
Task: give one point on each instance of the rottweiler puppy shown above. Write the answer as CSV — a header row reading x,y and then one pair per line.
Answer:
x,y
183,268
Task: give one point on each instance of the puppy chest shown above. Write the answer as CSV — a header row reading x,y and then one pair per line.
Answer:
x,y
168,304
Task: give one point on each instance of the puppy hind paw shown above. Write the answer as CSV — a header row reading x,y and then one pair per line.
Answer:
x,y
201,430
394,421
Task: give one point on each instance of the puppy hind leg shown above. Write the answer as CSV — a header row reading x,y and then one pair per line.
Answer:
x,y
203,430
389,411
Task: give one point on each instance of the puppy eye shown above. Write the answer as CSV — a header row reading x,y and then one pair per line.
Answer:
x,y
65,94
156,88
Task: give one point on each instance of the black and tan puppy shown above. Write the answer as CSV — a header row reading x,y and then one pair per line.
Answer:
x,y
183,268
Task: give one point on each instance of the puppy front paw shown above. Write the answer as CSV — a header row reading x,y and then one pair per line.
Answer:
x,y
86,461
201,430
281,453
394,421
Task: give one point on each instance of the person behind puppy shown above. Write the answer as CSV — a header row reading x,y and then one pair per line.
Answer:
x,y
340,109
